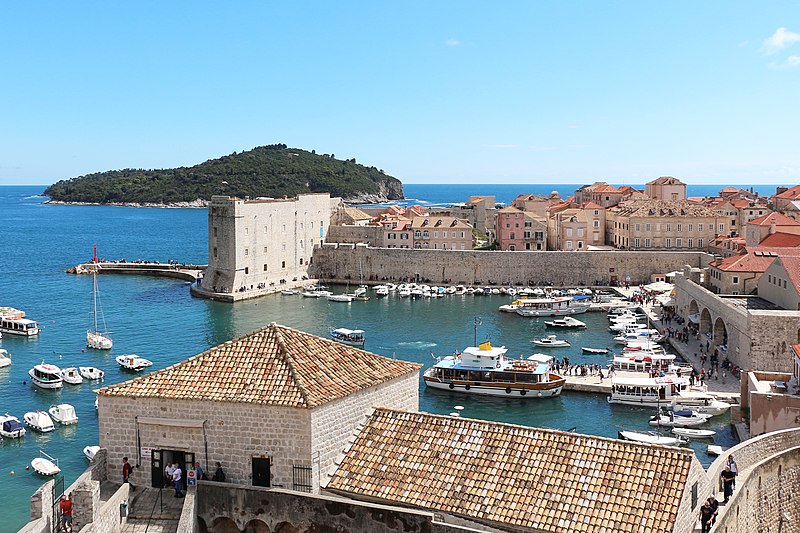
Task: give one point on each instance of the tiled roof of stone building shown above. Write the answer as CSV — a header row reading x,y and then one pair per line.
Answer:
x,y
274,365
513,476
780,239
776,218
791,193
666,180
663,208
748,262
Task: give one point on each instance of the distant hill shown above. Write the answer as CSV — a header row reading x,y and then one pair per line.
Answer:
x,y
273,171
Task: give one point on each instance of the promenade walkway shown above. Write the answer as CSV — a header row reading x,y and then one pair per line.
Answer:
x,y
153,511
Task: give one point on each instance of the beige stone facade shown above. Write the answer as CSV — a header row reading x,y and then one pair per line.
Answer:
x,y
771,401
441,233
662,225
666,189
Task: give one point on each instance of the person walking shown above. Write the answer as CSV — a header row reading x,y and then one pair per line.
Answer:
x,y
219,475
728,479
65,506
198,471
706,516
734,468
177,478
714,504
127,470
169,470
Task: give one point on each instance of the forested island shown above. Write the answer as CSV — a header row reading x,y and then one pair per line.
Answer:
x,y
266,171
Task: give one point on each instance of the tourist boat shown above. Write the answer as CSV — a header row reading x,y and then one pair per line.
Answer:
x,y
289,292
645,392
651,437
39,420
567,322
626,326
133,362
91,373
714,449
96,339
512,307
5,359
551,341
639,335
10,427
381,291
673,420
90,451
71,375
45,467
694,433
46,376
594,350
700,402
485,370
64,414
565,305
640,362
13,321
346,298
351,337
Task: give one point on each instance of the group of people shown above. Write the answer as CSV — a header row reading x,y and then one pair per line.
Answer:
x,y
710,509
173,475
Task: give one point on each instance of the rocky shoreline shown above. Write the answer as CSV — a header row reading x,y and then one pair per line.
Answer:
x,y
198,203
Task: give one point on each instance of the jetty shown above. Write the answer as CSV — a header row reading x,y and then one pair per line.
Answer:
x,y
187,272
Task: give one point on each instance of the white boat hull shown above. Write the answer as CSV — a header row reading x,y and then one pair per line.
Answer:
x,y
48,384
483,390
694,433
43,467
97,341
713,410
649,438
562,344
39,421
550,312
91,373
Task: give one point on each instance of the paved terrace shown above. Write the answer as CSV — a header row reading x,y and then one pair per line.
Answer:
x,y
153,511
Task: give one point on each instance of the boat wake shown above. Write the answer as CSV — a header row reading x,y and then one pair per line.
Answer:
x,y
417,344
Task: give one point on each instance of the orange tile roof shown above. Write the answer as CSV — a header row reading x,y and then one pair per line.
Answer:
x,y
791,263
749,262
729,190
607,188
774,218
274,365
780,239
592,205
790,194
513,476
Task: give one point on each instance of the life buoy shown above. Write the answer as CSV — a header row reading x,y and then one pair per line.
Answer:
x,y
523,392
466,387
452,386
508,390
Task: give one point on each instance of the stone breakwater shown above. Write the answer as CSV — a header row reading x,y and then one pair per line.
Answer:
x,y
198,203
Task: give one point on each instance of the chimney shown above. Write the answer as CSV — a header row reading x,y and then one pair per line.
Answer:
x,y
780,190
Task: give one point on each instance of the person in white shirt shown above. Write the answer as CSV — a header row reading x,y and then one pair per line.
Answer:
x,y
168,471
177,478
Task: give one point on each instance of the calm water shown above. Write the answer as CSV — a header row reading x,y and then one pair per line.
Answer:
x,y
158,319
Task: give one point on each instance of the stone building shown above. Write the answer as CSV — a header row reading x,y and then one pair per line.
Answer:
x,y
760,228
479,211
519,230
275,407
771,400
568,229
441,233
662,225
517,478
784,198
666,189
739,274
780,283
252,243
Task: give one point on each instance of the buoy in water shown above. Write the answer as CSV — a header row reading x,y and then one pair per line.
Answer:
x,y
12,472
27,467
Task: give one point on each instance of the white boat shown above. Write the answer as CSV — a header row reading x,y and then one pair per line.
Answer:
x,y
650,437
512,307
700,402
551,341
646,392
45,467
566,322
46,376
351,337
639,335
485,370
594,350
5,359
133,362
288,292
626,327
391,286
404,292
95,338
694,433
39,420
565,305
360,291
13,321
643,362
347,298
91,373
63,413
714,449
90,451
316,293
71,375
381,291
673,420
10,427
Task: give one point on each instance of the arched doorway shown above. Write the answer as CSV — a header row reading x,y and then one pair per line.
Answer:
x,y
256,526
223,524
705,321
693,308
720,332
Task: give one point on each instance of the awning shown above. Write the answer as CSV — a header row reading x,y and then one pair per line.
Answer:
x,y
694,318
172,422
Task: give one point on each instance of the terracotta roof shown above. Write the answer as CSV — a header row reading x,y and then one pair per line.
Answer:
x,y
789,194
666,180
663,208
774,218
729,190
592,205
749,262
796,349
791,264
439,222
274,365
780,239
513,476
607,188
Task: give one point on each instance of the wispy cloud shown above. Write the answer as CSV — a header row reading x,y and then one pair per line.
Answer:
x,y
543,148
504,146
452,41
782,38
577,146
789,62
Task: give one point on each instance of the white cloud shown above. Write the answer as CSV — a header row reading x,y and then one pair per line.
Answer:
x,y
782,38
577,146
543,148
452,41
789,62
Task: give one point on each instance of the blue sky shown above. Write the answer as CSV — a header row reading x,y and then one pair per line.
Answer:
x,y
431,92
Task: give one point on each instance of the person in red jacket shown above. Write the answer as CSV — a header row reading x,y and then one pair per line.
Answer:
x,y
127,470
65,506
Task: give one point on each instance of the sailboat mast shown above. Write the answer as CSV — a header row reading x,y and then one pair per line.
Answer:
x,y
94,292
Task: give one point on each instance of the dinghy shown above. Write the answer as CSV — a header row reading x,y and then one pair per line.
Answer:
x,y
551,341
71,375
594,350
650,437
90,451
39,420
91,373
694,433
45,467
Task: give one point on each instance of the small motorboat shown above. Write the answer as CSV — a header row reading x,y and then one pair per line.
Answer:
x,y
700,402
64,414
91,373
381,291
71,375
594,350
566,322
39,420
713,449
651,437
46,376
551,341
90,451
10,427
45,467
673,420
133,362
351,337
285,292
5,359
694,433
346,298
315,293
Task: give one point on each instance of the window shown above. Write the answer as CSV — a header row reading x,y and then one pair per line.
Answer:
x,y
435,246
246,251
721,228
647,243
265,249
512,236
699,243
283,264
512,248
444,246
283,228
669,227
215,252
265,267
435,234
700,227
283,247
689,243
569,232
735,280
597,212
680,228
265,229
301,225
526,235
301,261
678,243
425,234
638,227
301,243
462,234
580,245
246,270
569,245
215,231
444,234
596,224
669,243
538,235
417,234
246,231
647,227
636,243
580,232
691,228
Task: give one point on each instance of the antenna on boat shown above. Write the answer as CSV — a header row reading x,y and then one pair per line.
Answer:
x,y
477,322
49,457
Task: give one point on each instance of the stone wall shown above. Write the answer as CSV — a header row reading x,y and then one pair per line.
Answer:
x,y
477,267
372,235
41,503
696,483
234,433
335,422
226,508
188,520
107,518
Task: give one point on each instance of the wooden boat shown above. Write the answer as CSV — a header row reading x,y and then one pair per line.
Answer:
x,y
351,337
45,467
694,433
91,373
651,437
90,451
39,420
594,350
551,341
71,375
133,362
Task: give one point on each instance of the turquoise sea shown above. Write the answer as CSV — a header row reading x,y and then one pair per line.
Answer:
x,y
158,319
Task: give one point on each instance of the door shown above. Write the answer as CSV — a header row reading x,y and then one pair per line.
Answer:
x,y
156,469
261,471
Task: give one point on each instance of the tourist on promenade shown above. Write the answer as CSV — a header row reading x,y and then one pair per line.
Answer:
x,y
127,470
706,515
714,504
734,469
728,479
219,475
198,471
65,506
177,478
169,470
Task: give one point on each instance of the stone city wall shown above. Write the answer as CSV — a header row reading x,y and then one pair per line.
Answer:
x,y
224,508
335,422
470,267
686,518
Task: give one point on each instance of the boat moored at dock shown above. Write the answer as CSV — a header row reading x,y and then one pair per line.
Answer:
x,y
700,402
651,437
646,392
46,376
563,305
13,321
566,322
485,370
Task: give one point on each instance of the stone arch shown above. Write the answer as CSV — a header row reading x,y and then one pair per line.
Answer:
x,y
694,309
705,321
286,527
223,524
720,332
201,526
256,526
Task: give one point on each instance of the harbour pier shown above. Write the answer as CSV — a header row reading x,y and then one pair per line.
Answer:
x,y
182,271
